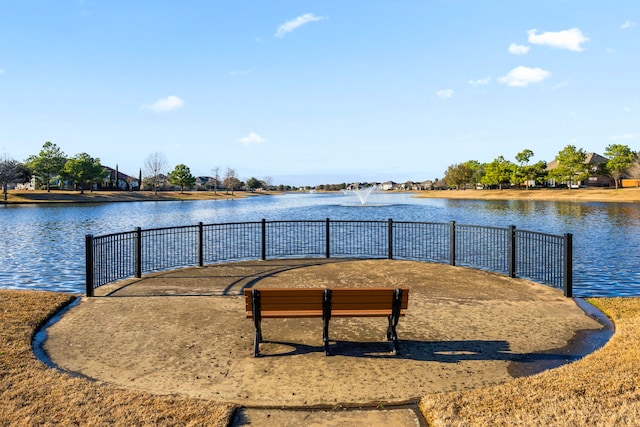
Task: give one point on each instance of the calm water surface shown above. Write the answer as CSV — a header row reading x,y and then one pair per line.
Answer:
x,y
42,247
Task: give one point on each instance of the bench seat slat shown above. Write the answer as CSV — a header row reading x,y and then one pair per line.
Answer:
x,y
283,314
307,302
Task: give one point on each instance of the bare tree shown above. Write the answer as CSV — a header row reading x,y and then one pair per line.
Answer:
x,y
268,182
634,169
230,179
155,169
216,178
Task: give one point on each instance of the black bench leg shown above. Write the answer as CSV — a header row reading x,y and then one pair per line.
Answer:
x,y
257,321
392,334
326,316
325,337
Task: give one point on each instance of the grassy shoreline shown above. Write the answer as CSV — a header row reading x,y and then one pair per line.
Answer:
x,y
606,195
582,195
63,196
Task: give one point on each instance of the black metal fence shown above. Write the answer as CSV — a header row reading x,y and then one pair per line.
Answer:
x,y
541,257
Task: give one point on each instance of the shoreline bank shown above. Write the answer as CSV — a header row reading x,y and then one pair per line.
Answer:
x,y
63,196
582,195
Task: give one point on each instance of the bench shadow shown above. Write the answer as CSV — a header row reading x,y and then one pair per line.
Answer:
x,y
424,351
521,364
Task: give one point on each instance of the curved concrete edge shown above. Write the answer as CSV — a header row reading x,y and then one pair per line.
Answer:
x,y
581,345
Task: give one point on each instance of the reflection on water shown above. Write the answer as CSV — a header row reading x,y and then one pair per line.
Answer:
x,y
42,247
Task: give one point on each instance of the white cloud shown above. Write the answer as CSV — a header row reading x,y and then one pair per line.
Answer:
x,y
625,136
628,24
252,138
523,76
627,109
2,71
480,82
164,105
445,93
518,49
567,39
296,23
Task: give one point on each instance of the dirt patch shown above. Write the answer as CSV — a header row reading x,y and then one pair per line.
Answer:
x,y
185,332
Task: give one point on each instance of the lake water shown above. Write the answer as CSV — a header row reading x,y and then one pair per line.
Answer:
x,y
42,247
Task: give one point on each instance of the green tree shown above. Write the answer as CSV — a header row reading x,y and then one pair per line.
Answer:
x,y
457,175
12,171
181,175
254,183
537,172
498,172
521,172
48,163
571,166
620,159
83,170
477,171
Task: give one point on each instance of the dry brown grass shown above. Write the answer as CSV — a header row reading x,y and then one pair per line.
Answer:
x,y
601,389
34,394
62,196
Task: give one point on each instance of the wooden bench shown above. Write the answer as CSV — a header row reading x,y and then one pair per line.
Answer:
x,y
281,303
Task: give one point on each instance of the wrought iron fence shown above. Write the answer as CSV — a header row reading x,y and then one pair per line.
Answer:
x,y
541,257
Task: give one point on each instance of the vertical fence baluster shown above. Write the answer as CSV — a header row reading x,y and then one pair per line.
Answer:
x,y
327,238
264,239
88,244
512,250
390,251
137,256
200,244
452,243
568,265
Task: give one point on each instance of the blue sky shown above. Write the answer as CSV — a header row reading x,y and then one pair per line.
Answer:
x,y
314,92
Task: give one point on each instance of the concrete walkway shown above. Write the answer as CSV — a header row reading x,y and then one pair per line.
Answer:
x,y
184,332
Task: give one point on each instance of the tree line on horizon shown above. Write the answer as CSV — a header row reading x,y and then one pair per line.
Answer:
x,y
570,167
83,171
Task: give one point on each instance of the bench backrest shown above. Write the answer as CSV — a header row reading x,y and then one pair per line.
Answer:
x,y
308,302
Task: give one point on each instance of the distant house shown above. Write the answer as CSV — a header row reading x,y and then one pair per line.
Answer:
x,y
120,182
389,185
206,183
440,185
426,185
595,179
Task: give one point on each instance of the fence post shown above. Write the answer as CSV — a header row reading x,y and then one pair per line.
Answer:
x,y
327,239
137,255
264,239
452,243
390,238
568,265
88,244
512,251
200,244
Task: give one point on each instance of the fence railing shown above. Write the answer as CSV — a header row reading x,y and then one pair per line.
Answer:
x,y
541,257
